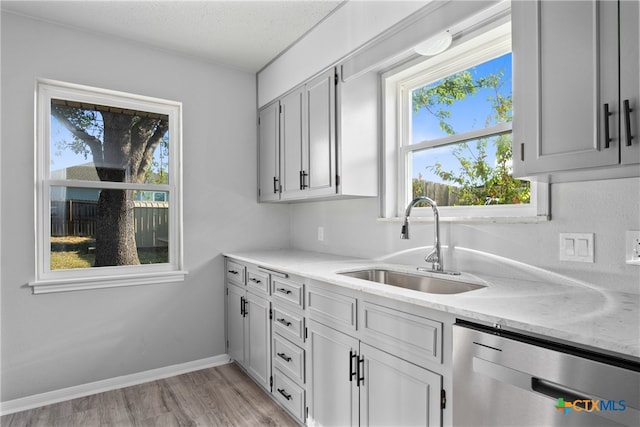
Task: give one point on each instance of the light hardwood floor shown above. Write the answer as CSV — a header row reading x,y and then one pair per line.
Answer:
x,y
220,396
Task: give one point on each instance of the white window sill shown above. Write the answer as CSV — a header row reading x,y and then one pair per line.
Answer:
x,y
85,283
474,220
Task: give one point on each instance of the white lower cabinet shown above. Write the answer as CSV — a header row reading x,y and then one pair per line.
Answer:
x,y
332,388
338,357
249,333
352,383
394,392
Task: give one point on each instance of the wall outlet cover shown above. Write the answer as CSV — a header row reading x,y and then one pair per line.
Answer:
x,y
632,247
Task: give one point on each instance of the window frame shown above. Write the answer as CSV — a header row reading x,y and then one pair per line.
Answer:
x,y
47,280
396,86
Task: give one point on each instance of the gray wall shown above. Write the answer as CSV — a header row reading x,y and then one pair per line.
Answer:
x,y
606,208
55,341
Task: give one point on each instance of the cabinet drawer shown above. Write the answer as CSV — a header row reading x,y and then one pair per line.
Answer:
x,y
235,272
288,324
413,338
287,290
258,281
332,309
289,358
289,394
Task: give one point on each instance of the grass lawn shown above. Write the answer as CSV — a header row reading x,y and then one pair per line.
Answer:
x,y
74,252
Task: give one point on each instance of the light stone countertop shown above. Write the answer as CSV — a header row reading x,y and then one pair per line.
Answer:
x,y
535,302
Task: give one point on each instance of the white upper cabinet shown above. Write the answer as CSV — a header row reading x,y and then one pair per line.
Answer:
x,y
316,143
568,108
269,153
319,153
630,81
292,142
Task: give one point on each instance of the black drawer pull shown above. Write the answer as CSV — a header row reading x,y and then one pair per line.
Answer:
x,y
233,271
255,280
284,393
284,356
284,291
284,322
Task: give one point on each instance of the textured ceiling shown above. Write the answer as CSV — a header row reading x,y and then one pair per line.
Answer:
x,y
242,34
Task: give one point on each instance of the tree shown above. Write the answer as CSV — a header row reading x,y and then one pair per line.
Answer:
x,y
476,182
121,146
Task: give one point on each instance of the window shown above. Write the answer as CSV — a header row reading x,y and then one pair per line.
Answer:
x,y
108,189
448,134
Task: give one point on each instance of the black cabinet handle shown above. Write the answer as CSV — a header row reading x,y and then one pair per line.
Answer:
x,y
352,371
360,370
242,306
275,185
284,393
607,137
627,124
254,280
232,271
284,322
284,291
284,356
303,176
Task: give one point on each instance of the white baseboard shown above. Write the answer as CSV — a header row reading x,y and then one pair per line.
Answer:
x,y
82,390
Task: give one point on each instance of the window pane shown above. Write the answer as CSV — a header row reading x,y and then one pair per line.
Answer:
x,y
476,98
106,227
470,173
98,143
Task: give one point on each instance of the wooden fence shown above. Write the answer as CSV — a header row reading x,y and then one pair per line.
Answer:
x,y
78,218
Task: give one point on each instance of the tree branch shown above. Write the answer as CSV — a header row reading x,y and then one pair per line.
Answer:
x,y
95,145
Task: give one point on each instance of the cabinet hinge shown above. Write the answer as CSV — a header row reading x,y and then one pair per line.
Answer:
x,y
270,314
307,412
227,344
522,152
280,108
337,180
271,382
443,399
336,78
306,333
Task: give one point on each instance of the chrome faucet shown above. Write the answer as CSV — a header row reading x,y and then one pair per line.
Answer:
x,y
435,256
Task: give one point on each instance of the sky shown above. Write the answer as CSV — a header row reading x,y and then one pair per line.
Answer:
x,y
466,115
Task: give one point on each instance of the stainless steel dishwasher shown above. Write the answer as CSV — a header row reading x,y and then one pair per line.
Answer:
x,y
503,378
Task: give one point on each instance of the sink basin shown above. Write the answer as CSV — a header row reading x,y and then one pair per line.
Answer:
x,y
416,282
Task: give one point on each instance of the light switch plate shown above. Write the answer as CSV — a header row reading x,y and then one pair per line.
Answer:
x,y
576,247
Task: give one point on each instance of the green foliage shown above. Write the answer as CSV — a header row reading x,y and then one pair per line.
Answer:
x,y
476,182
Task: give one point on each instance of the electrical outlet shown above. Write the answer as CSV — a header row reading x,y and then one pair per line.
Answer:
x,y
633,247
320,234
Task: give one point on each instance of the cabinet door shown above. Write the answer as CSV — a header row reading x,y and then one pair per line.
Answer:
x,y
268,147
258,339
235,323
291,143
333,392
630,80
565,76
396,392
319,152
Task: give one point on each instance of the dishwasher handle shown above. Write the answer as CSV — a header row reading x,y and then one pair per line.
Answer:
x,y
525,380
556,391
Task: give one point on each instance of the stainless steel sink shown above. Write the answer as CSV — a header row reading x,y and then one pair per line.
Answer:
x,y
416,282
